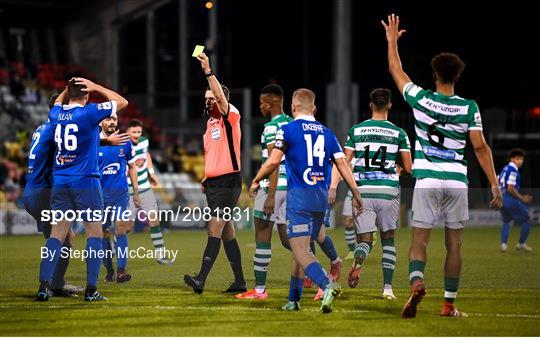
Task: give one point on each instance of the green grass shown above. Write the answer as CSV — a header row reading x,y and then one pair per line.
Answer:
x,y
501,292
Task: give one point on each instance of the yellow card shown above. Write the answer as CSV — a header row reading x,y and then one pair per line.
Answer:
x,y
198,50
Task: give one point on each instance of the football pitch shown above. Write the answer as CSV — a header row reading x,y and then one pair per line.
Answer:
x,y
499,291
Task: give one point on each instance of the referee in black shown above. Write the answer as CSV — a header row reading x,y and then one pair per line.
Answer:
x,y
222,183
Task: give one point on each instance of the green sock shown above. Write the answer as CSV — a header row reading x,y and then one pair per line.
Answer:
x,y
362,250
451,285
261,260
350,238
157,237
388,261
416,270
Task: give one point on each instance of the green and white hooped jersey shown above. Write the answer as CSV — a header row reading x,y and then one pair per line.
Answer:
x,y
376,144
269,137
441,124
140,151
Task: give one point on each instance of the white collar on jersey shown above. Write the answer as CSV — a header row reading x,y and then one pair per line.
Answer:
x,y
71,106
305,117
512,164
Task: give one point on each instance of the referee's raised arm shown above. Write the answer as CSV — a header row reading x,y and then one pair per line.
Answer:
x,y
221,99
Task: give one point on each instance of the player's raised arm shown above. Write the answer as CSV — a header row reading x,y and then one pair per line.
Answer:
x,y
394,62
110,95
214,84
60,98
485,158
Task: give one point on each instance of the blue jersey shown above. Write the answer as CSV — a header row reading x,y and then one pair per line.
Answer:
x,y
509,176
113,162
40,160
76,135
309,148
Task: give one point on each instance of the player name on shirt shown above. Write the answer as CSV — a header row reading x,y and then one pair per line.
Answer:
x,y
376,144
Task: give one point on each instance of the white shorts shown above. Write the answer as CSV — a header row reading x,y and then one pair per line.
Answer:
x,y
279,207
347,205
378,213
148,203
435,200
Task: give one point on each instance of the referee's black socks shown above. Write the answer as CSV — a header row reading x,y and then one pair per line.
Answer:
x,y
235,259
209,257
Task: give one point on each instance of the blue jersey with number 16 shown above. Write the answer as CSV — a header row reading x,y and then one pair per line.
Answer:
x,y
309,148
76,135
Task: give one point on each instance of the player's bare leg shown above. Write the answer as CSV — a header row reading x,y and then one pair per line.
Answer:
x,y
282,231
417,262
361,251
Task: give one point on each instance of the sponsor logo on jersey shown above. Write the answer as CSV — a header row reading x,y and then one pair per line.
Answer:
x,y
111,169
312,177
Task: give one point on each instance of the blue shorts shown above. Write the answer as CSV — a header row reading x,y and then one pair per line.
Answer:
x,y
304,223
327,214
514,209
82,194
119,204
35,203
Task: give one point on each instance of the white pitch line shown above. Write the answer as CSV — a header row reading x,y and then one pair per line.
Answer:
x,y
504,315
159,307
251,309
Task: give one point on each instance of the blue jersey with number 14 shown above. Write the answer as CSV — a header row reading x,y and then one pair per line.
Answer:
x,y
76,135
309,148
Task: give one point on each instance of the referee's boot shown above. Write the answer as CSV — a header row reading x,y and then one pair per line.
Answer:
x,y
236,287
195,283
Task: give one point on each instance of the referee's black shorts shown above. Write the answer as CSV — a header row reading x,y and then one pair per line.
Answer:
x,y
223,192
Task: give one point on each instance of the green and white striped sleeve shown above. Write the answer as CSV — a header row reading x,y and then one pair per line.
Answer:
x,y
404,143
269,134
412,93
475,120
349,144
